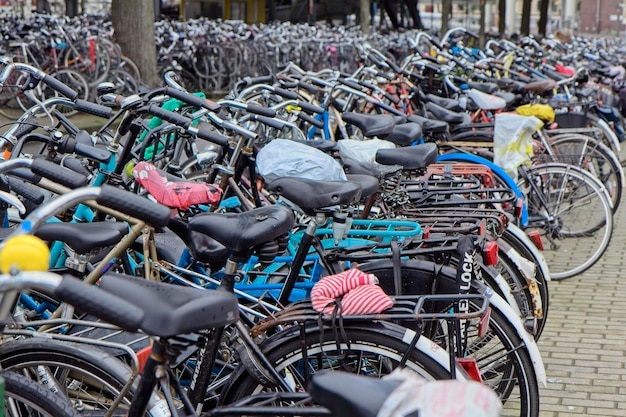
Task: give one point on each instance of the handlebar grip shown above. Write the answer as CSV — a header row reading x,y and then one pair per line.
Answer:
x,y
91,152
376,61
258,80
133,205
74,164
60,87
308,87
26,190
169,116
58,174
385,75
71,145
263,111
394,67
99,303
191,99
393,99
206,132
275,123
351,84
310,108
26,174
436,42
286,93
472,34
95,109
368,85
26,127
311,120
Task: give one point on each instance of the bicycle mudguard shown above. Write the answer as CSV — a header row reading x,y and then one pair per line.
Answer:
x,y
496,169
540,260
501,304
406,335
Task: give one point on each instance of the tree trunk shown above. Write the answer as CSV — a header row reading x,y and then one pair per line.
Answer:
x,y
133,22
71,8
446,11
525,29
364,16
501,17
543,16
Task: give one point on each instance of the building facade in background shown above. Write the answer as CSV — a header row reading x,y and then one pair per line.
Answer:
x,y
602,16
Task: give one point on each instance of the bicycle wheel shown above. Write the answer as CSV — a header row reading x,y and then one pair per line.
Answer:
x,y
125,83
503,358
373,348
89,58
587,121
595,157
24,397
570,209
91,378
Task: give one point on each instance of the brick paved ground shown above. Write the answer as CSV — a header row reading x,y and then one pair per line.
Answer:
x,y
584,342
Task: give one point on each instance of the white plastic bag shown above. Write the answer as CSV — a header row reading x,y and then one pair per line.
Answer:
x,y
450,398
363,150
286,158
512,141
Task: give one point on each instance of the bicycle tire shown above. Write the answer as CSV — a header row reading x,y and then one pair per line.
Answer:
x,y
568,190
374,341
89,377
604,133
24,397
125,83
78,58
595,157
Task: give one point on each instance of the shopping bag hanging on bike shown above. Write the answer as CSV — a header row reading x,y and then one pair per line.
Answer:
x,y
512,141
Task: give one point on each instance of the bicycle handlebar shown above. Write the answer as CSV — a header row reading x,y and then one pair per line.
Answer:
x,y
203,132
88,298
93,109
189,98
39,75
58,174
39,167
133,205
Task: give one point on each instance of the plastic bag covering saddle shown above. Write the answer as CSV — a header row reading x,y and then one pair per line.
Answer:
x,y
286,158
363,150
174,194
512,141
356,291
417,397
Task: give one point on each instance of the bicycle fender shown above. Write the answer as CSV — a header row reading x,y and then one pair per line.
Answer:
x,y
505,289
424,344
540,260
501,304
495,168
